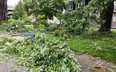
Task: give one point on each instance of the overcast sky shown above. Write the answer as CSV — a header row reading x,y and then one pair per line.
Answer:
x,y
12,2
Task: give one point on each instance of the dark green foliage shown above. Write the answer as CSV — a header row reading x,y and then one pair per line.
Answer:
x,y
48,8
19,11
4,40
41,21
75,22
15,26
81,20
56,33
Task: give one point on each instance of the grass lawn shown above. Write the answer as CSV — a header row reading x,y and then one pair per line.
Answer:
x,y
113,30
98,44
103,46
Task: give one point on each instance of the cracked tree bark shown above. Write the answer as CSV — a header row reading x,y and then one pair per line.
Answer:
x,y
3,9
107,17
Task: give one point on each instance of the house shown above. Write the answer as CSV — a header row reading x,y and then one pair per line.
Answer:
x,y
76,5
10,9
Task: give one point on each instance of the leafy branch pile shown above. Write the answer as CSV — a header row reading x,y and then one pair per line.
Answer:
x,y
15,26
42,55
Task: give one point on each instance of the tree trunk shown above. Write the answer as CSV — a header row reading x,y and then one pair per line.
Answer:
x,y
3,9
107,17
86,2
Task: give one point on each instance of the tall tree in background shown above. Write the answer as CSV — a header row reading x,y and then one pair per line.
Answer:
x,y
99,11
47,7
87,1
103,9
19,11
106,15
3,9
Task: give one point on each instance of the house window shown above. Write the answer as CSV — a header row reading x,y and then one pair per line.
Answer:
x,y
70,4
70,7
79,5
76,7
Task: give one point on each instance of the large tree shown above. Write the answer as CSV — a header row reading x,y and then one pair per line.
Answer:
x,y
103,10
19,11
106,15
95,10
3,7
47,7
86,2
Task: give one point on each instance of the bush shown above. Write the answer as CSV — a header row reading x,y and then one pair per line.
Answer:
x,y
41,20
56,33
15,26
41,26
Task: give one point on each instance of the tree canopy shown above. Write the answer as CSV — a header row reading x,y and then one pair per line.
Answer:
x,y
103,11
95,10
47,7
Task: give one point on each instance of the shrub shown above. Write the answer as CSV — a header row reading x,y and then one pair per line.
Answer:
x,y
56,33
15,26
41,20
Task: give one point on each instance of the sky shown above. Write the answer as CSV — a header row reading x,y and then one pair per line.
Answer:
x,y
12,2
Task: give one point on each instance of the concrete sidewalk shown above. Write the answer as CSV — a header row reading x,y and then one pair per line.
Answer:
x,y
7,64
89,63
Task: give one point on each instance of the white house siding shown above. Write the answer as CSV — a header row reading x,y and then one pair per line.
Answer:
x,y
114,17
113,21
53,21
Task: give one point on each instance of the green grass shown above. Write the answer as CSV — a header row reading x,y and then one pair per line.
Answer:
x,y
97,44
113,30
102,48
